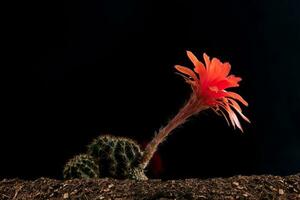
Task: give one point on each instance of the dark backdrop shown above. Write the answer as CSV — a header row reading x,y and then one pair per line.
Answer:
x,y
82,68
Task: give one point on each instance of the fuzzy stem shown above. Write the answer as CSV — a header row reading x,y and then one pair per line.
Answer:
x,y
192,107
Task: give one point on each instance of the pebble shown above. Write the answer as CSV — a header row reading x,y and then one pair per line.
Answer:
x,y
235,183
74,192
245,195
280,191
240,187
66,195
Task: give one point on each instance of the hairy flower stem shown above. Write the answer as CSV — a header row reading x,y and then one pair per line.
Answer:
x,y
192,107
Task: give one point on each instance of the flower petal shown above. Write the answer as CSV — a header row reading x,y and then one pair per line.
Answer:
x,y
199,67
234,80
229,112
234,104
226,69
206,59
234,118
223,84
214,71
221,111
186,71
242,115
237,97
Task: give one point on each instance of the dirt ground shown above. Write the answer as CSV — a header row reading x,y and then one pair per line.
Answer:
x,y
237,187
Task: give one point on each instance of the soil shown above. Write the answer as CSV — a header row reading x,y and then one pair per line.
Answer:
x,y
237,187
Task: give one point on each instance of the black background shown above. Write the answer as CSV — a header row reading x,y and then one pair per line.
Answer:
x,y
78,69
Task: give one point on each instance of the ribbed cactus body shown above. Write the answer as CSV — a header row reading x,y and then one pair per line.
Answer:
x,y
118,157
81,166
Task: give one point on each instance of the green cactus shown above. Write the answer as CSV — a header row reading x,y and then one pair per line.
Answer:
x,y
81,166
118,157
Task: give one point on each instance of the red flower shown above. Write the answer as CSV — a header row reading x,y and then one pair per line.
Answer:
x,y
209,83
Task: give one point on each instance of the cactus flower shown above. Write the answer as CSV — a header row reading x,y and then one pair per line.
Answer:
x,y
209,83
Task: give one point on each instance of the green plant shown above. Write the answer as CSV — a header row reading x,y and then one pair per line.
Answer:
x,y
81,166
118,157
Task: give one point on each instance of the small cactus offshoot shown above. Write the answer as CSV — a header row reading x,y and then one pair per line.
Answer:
x,y
81,166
